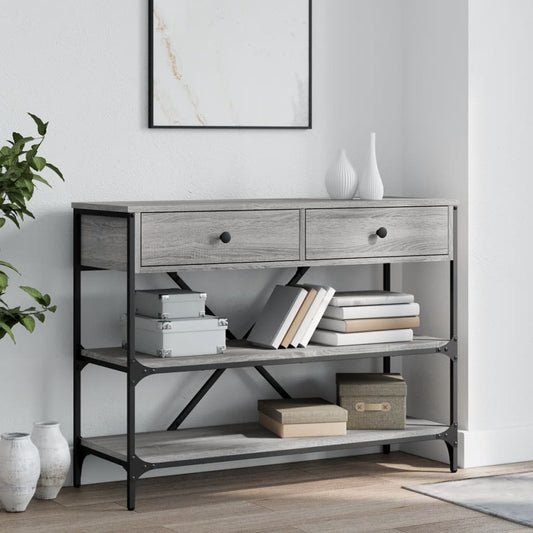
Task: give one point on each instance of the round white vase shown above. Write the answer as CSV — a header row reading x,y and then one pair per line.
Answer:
x,y
371,186
341,179
19,471
55,458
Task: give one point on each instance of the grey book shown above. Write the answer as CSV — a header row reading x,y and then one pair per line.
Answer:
x,y
333,338
302,410
372,311
347,298
277,316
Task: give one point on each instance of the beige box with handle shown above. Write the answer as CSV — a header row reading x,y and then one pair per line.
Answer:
x,y
373,401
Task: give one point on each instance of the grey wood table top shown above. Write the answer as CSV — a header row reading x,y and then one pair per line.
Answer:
x,y
254,204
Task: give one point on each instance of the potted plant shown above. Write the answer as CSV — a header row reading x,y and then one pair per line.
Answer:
x,y
20,169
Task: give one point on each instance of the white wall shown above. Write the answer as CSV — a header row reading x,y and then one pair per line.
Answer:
x,y
83,67
436,165
499,290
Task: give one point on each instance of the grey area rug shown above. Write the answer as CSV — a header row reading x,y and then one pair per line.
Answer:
x,y
508,496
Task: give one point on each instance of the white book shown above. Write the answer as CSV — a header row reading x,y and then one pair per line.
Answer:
x,y
277,316
332,338
319,313
349,298
372,311
306,322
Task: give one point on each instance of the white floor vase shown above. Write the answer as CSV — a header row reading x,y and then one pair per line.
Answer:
x,y
55,458
371,186
19,471
341,179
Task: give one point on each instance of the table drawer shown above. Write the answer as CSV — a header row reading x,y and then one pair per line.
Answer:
x,y
194,238
351,233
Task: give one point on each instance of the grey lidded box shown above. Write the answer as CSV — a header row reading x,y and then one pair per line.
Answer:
x,y
170,303
373,401
181,336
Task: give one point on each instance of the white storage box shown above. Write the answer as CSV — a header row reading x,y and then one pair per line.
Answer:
x,y
170,303
181,336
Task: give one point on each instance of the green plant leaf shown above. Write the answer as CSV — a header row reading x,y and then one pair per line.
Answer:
x,y
6,329
52,308
34,293
38,163
40,317
28,322
56,170
3,281
41,126
9,265
36,177
2,221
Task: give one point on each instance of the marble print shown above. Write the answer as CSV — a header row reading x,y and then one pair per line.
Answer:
x,y
231,63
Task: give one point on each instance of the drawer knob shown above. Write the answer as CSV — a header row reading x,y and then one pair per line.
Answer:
x,y
381,233
225,237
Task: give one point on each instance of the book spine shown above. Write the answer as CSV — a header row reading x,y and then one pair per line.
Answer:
x,y
372,311
397,298
369,324
332,338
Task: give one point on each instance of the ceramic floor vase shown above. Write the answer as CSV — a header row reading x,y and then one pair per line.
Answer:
x,y
341,179
19,471
371,186
55,458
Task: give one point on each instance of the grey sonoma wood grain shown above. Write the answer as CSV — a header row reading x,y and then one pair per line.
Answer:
x,y
243,441
194,238
241,354
103,242
251,204
351,233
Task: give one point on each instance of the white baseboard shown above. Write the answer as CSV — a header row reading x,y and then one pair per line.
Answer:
x,y
497,446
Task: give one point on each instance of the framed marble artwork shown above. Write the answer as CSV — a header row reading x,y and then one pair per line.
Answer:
x,y
230,63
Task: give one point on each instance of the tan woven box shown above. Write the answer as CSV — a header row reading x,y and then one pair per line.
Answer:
x,y
373,401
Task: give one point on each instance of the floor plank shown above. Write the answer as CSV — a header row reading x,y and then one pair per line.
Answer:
x,y
352,494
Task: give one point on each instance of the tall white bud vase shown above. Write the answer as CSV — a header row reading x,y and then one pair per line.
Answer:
x,y
371,186
55,458
19,471
341,179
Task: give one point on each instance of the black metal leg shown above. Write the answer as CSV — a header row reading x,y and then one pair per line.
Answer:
x,y
196,399
386,359
131,364
76,313
453,348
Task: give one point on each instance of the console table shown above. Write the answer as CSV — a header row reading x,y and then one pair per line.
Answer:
x,y
155,237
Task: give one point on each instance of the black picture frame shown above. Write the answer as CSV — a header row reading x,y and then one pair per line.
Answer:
x,y
153,125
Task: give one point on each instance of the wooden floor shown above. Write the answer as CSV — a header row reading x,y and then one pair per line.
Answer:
x,y
337,495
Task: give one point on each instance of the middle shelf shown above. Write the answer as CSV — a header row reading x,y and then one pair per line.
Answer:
x,y
241,354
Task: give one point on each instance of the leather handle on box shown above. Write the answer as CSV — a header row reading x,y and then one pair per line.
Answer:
x,y
361,407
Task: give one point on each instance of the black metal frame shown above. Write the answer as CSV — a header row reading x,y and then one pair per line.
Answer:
x,y
151,87
134,466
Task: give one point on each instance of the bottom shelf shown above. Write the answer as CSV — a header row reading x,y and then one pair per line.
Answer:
x,y
163,449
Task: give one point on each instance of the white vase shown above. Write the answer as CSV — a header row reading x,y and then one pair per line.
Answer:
x,y
55,458
371,186
341,179
19,471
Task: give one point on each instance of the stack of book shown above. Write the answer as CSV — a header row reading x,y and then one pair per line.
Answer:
x,y
368,317
290,316
302,417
